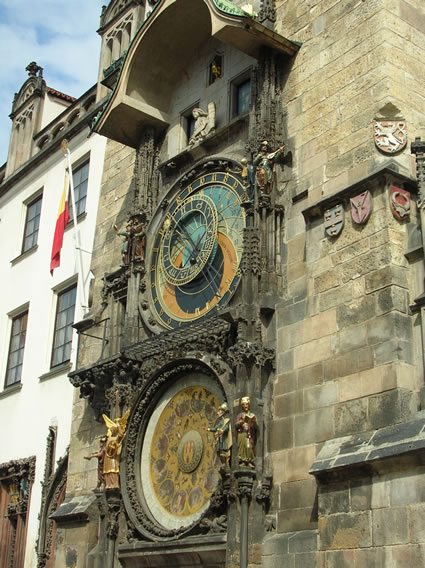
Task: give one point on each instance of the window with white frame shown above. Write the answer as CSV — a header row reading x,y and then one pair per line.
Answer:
x,y
32,224
16,349
62,338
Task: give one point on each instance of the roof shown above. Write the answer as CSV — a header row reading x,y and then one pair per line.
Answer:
x,y
60,95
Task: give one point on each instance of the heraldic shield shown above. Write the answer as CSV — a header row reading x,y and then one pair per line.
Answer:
x,y
400,203
361,207
390,135
334,220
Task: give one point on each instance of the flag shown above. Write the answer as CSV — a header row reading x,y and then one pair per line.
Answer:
x,y
61,222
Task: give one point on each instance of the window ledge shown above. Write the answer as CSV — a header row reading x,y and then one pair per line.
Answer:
x,y
12,389
24,255
59,370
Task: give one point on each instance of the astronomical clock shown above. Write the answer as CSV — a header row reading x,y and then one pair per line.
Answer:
x,y
196,252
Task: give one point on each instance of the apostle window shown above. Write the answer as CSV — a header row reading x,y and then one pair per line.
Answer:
x,y
188,124
16,349
32,224
80,178
62,339
241,95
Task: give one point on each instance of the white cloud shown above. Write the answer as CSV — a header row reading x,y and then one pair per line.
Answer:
x,y
60,35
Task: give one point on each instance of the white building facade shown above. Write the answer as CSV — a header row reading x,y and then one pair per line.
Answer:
x,y
37,309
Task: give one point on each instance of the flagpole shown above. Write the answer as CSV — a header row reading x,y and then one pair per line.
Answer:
x,y
64,146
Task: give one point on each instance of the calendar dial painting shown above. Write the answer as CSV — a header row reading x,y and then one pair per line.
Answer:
x,y
179,460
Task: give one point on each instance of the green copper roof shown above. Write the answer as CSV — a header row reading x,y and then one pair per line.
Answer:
x,y
228,7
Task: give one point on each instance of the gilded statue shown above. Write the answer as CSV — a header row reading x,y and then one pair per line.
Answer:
x,y
114,440
246,434
223,434
264,163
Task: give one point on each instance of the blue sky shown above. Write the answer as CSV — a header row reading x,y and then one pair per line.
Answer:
x,y
60,35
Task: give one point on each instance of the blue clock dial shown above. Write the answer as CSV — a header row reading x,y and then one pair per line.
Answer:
x,y
196,254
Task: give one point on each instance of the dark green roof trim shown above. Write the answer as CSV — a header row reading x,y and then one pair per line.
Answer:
x,y
228,7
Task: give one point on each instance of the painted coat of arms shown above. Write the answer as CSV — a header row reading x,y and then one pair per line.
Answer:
x,y
400,203
390,135
334,220
361,207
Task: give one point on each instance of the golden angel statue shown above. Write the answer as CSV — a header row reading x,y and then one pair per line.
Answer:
x,y
115,437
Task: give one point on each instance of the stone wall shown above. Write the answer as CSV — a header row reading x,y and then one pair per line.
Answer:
x,y
349,355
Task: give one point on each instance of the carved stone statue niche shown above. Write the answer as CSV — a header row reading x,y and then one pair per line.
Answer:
x,y
204,124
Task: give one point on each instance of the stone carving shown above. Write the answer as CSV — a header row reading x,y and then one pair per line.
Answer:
x,y
217,525
250,352
264,163
418,148
223,434
204,124
264,489
100,455
334,220
113,500
267,13
53,488
390,135
246,434
400,203
111,460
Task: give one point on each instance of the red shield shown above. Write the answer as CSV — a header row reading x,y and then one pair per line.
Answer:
x,y
400,203
361,207
390,135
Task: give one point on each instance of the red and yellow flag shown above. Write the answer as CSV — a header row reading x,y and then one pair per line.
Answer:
x,y
61,222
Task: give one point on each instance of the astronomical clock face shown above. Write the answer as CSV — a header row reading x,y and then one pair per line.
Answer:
x,y
179,463
196,254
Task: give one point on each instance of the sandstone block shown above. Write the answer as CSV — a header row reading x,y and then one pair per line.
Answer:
x,y
334,498
351,417
345,530
389,526
295,495
321,396
315,426
313,352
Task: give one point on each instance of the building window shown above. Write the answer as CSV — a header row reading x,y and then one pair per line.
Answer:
x,y
62,339
16,349
80,177
241,95
188,124
32,224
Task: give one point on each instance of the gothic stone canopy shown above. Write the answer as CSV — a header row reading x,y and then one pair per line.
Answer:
x,y
161,51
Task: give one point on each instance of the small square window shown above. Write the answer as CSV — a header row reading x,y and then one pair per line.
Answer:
x,y
16,349
80,178
62,340
32,224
